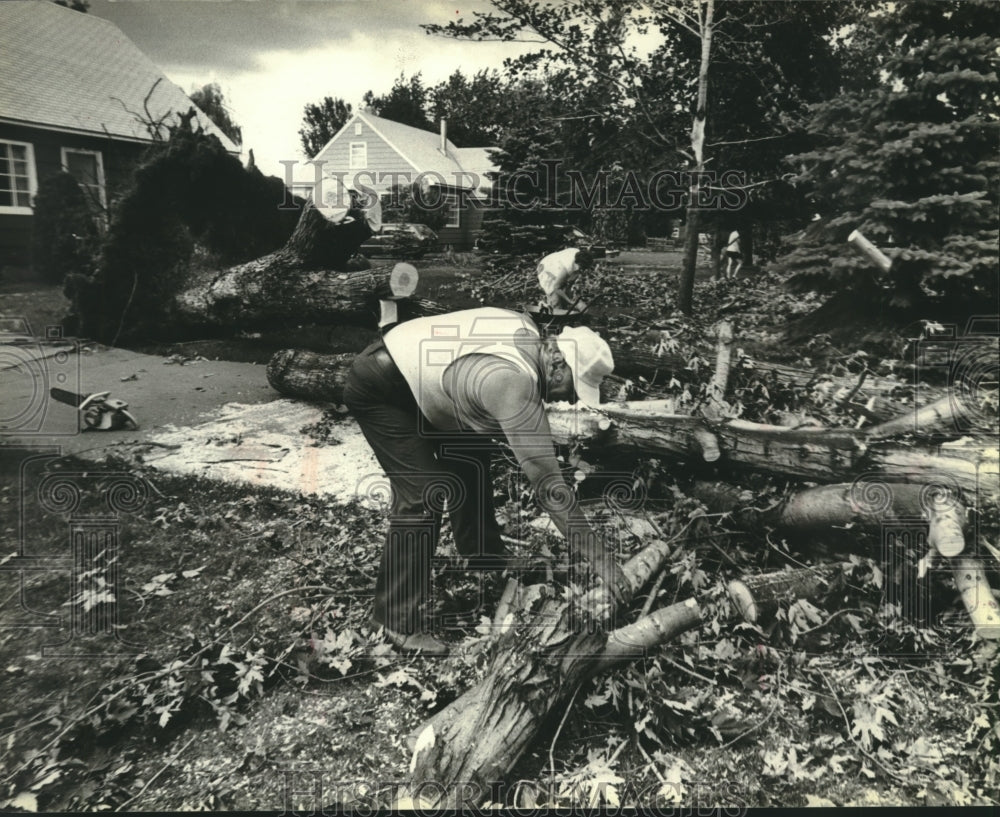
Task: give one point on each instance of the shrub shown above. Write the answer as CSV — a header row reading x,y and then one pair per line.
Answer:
x,y
64,237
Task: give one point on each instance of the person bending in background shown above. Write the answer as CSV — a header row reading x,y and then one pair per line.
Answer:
x,y
556,273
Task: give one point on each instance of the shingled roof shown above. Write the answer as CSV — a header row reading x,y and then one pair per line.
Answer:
x,y
422,149
76,72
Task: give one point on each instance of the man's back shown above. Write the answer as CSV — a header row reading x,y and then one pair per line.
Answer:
x,y
425,348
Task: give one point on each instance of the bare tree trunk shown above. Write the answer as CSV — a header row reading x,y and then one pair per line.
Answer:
x,y
685,293
718,244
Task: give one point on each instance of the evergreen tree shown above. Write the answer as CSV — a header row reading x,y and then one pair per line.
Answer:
x,y
911,163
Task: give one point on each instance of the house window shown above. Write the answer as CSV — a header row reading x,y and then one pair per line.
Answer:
x,y
17,177
359,155
357,128
87,167
454,213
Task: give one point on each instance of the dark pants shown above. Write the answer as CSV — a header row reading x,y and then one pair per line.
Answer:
x,y
425,473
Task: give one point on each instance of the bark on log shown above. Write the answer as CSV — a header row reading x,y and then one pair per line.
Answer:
x,y
641,428
758,597
868,504
309,376
537,664
303,282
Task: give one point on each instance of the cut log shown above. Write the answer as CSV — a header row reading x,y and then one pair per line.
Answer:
x,y
758,598
267,293
309,376
951,414
864,505
306,281
659,627
863,245
946,520
978,598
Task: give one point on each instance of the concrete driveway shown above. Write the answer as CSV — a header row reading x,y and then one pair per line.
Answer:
x,y
159,392
211,419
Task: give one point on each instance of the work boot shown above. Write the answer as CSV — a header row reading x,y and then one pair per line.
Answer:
x,y
421,643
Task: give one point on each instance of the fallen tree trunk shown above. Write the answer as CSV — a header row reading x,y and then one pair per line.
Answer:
x,y
306,281
871,504
643,428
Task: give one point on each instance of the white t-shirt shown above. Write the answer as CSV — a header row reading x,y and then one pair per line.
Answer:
x,y
734,242
557,269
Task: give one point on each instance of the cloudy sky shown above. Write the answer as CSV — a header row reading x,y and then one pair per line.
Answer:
x,y
272,57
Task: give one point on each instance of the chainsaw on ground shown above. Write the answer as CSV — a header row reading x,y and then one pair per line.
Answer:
x,y
100,412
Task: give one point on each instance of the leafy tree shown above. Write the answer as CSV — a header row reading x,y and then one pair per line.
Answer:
x,y
321,123
649,112
477,108
210,99
75,5
910,162
406,102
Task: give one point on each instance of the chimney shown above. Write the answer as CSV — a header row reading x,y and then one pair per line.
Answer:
x,y
444,136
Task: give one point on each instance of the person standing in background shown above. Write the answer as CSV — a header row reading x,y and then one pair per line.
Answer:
x,y
733,254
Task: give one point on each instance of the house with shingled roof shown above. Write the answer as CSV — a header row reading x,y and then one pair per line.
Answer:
x,y
372,153
74,95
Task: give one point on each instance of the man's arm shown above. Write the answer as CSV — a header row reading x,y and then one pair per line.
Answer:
x,y
515,403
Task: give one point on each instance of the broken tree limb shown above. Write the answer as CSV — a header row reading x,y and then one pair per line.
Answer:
x,y
757,598
538,661
644,428
820,454
720,377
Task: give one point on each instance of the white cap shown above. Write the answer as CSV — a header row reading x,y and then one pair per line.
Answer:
x,y
589,358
